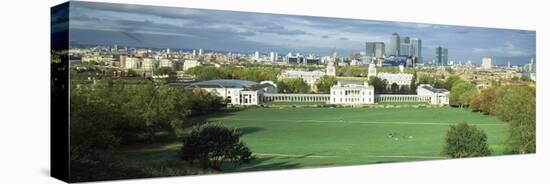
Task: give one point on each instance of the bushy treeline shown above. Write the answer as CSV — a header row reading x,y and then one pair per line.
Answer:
x,y
363,71
107,114
515,104
256,74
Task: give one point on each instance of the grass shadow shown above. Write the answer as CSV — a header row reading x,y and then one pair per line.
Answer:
x,y
258,165
249,130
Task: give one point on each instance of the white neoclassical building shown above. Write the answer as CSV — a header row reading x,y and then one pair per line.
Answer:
x,y
351,94
240,92
436,96
309,76
237,92
401,78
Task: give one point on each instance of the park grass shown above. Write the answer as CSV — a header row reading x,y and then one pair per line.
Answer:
x,y
315,137
290,103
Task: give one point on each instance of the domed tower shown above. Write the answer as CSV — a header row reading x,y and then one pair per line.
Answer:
x,y
372,70
331,69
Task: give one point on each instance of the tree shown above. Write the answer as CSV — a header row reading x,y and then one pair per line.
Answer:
x,y
212,144
462,93
517,105
463,141
379,84
394,88
166,71
485,101
524,78
324,83
451,81
293,85
413,85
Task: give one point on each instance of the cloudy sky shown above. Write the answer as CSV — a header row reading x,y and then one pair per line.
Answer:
x,y
164,27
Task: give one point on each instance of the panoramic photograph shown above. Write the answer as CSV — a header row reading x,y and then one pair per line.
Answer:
x,y
170,91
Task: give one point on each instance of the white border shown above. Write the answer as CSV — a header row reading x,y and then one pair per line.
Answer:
x,y
25,90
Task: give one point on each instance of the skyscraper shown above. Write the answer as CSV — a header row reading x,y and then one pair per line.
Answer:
x,y
394,44
273,56
405,49
416,48
375,49
257,56
486,63
441,56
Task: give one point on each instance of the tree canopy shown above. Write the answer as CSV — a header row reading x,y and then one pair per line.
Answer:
x,y
463,140
293,85
212,145
461,94
324,83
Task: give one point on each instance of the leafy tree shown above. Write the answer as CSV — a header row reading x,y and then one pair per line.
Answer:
x,y
485,101
166,71
324,83
394,88
353,71
211,145
413,85
379,84
451,81
252,73
517,105
463,141
293,85
462,93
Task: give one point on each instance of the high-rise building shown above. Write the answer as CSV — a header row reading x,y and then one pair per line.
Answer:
x,y
394,44
405,49
201,52
273,56
257,56
405,46
416,48
406,39
375,49
486,63
441,56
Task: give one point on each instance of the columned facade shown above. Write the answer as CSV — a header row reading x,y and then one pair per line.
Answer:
x,y
282,97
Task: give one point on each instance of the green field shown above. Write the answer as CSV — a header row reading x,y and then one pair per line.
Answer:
x,y
315,137
310,137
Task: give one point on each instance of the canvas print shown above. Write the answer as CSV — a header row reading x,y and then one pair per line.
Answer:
x,y
149,91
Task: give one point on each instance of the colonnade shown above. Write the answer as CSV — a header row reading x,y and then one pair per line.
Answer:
x,y
402,98
279,97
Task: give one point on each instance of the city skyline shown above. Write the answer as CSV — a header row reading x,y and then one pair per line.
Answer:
x,y
164,27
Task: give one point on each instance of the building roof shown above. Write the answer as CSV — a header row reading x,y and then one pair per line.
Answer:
x,y
224,83
396,76
434,90
300,73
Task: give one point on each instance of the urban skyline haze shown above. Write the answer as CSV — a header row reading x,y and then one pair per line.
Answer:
x,y
166,27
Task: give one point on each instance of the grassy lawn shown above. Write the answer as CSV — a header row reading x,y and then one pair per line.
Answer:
x,y
295,103
314,137
310,137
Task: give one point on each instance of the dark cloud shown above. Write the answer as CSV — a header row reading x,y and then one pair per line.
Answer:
x,y
83,18
185,27
278,29
462,32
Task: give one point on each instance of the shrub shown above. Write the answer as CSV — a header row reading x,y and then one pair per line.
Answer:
x,y
463,140
212,144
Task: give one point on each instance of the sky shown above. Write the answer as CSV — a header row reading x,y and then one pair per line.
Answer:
x,y
166,27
